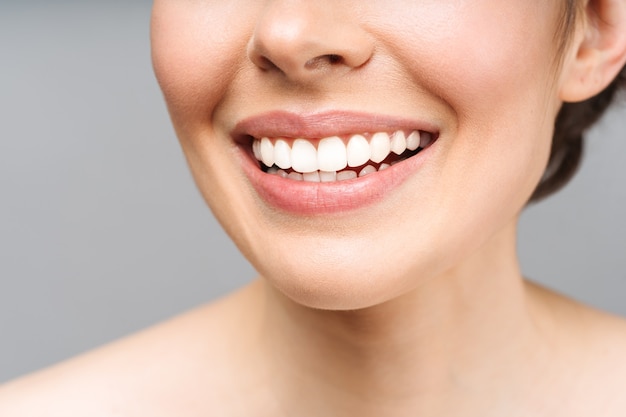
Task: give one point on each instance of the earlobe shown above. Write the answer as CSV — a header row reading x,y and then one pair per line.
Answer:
x,y
598,50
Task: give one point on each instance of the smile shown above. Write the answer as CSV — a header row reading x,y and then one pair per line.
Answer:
x,y
337,158
330,162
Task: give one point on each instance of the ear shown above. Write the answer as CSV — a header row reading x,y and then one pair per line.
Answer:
x,y
597,52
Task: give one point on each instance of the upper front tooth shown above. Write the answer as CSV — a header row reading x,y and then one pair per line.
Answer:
x,y
331,154
267,152
303,156
282,154
398,142
358,151
380,146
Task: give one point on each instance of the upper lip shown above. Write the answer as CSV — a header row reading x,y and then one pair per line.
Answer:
x,y
320,125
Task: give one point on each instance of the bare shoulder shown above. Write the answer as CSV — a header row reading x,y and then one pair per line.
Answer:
x,y
163,370
595,351
607,353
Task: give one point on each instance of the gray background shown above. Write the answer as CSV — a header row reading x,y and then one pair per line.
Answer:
x,y
102,231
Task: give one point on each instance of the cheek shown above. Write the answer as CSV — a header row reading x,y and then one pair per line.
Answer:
x,y
196,51
477,55
496,77
494,69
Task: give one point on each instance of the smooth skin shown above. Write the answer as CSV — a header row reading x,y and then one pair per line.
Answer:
x,y
414,305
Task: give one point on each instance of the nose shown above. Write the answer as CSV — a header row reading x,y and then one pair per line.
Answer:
x,y
304,40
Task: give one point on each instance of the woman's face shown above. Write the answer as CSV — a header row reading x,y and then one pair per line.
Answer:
x,y
476,77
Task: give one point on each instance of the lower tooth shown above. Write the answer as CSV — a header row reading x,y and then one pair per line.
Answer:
x,y
282,173
367,170
295,176
326,176
383,166
346,175
311,176
272,170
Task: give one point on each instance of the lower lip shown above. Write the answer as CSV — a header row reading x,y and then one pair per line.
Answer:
x,y
311,198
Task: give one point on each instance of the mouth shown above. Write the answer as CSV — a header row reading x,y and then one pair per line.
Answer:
x,y
338,158
330,162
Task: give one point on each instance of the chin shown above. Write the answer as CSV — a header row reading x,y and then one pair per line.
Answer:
x,y
341,280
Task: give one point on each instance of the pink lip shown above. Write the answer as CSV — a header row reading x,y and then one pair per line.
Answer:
x,y
321,125
308,198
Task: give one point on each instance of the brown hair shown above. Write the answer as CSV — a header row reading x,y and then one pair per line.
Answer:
x,y
573,120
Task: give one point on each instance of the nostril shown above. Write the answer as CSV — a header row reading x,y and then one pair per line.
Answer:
x,y
266,63
324,61
335,59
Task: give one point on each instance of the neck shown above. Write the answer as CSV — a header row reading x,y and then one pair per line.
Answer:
x,y
423,351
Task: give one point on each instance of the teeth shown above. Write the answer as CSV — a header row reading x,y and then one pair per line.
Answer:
x,y
303,156
398,142
331,154
367,170
282,154
413,141
380,147
326,176
267,152
311,176
256,150
346,175
426,139
329,161
358,151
